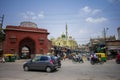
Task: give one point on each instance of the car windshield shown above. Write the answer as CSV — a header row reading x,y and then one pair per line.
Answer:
x,y
37,58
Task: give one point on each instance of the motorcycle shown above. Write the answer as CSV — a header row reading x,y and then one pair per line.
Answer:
x,y
59,62
118,59
95,61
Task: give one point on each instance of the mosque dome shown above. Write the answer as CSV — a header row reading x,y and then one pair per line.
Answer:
x,y
28,24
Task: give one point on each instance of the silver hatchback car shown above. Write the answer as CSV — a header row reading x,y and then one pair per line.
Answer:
x,y
43,62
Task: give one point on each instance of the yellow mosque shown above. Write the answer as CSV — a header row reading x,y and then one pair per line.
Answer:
x,y
65,41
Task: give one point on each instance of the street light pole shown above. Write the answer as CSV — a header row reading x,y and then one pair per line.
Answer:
x,y
105,39
105,33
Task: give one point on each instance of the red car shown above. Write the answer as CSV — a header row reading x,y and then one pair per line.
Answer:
x,y
118,59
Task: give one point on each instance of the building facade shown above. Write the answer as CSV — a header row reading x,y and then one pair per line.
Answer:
x,y
113,48
25,40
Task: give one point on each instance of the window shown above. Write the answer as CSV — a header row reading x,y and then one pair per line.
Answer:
x,y
36,59
41,41
43,58
13,39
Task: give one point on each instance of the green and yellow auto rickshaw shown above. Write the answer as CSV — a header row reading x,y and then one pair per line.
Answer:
x,y
102,57
9,57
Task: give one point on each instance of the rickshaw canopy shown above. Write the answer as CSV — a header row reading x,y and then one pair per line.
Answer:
x,y
102,54
8,55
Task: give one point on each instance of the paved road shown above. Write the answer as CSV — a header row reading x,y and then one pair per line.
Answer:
x,y
69,71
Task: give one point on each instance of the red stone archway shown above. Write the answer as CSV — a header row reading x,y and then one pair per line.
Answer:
x,y
26,36
30,44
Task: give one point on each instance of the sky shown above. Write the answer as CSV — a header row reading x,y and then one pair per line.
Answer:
x,y
85,18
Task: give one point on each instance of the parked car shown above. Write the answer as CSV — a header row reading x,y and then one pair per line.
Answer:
x,y
43,62
118,59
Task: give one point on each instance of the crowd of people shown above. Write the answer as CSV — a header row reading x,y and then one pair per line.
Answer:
x,y
73,55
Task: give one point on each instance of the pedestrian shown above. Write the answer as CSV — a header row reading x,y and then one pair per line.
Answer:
x,y
3,59
64,57
80,58
77,57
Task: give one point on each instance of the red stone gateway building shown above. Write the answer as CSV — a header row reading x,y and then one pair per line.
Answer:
x,y
26,40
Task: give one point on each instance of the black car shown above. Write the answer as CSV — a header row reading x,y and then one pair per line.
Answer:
x,y
43,62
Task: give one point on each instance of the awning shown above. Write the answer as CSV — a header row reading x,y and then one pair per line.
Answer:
x,y
113,48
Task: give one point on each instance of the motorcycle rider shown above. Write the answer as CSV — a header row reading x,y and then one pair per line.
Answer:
x,y
94,57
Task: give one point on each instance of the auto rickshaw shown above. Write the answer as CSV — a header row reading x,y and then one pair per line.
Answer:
x,y
102,56
9,57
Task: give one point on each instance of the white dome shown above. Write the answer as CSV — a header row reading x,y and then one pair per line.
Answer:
x,y
28,24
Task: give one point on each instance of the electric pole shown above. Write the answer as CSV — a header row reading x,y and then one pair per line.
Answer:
x,y
1,21
2,35
105,39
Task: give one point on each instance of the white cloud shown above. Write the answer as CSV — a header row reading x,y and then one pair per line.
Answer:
x,y
29,15
96,20
41,15
86,9
89,10
96,11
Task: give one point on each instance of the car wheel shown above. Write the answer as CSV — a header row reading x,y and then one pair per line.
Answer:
x,y
26,68
48,69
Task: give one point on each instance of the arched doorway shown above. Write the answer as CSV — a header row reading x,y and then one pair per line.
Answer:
x,y
26,48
